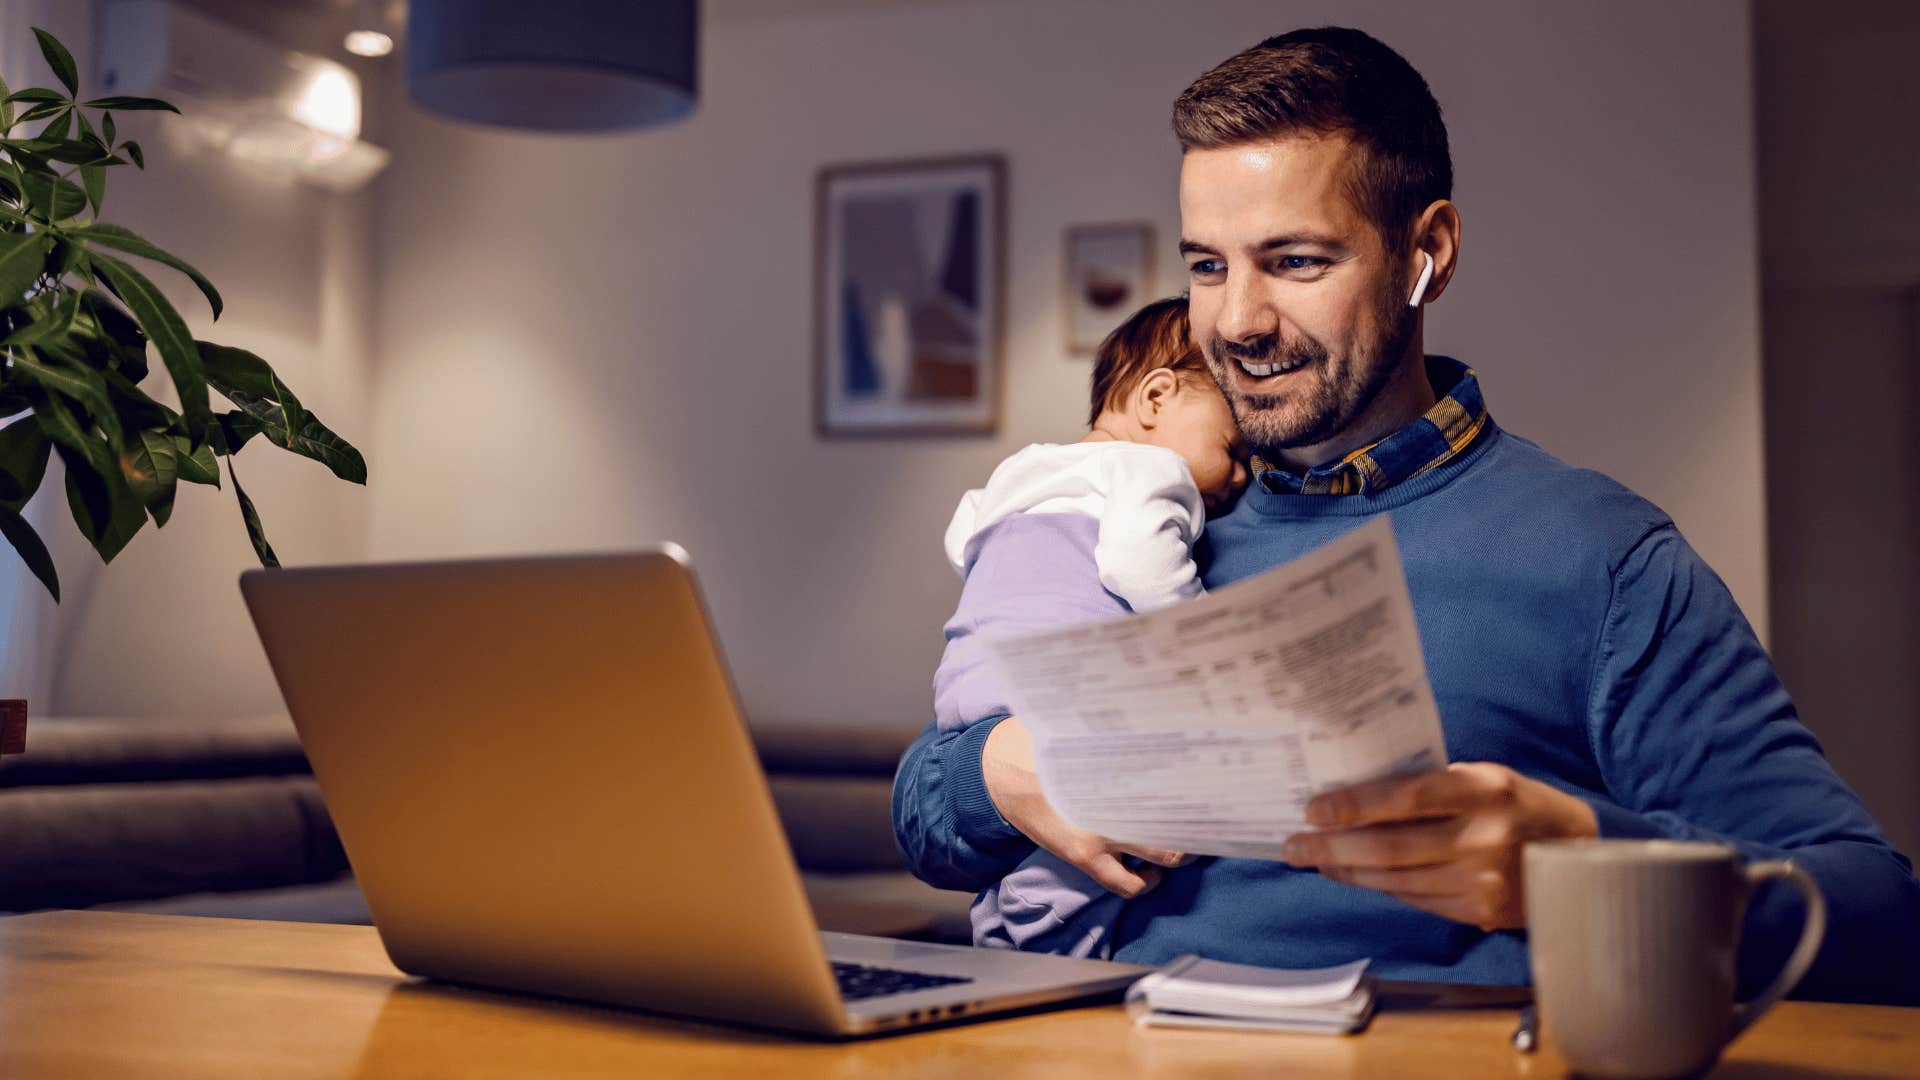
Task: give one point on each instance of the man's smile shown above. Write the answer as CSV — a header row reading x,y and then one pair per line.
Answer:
x,y
1252,378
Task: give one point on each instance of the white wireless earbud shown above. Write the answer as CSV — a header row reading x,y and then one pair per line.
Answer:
x,y
1420,287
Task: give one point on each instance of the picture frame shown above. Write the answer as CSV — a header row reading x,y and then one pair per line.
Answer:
x,y
909,297
1108,274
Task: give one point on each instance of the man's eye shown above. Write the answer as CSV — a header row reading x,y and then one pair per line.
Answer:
x,y
1206,266
1300,262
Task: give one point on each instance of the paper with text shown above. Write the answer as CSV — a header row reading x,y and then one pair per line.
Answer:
x,y
1205,727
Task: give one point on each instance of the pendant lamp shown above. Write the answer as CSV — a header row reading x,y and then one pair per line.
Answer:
x,y
555,65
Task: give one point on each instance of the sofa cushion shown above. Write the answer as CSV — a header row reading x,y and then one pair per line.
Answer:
x,y
74,845
837,823
103,749
825,749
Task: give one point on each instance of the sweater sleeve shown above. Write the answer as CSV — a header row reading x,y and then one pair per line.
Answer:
x,y
1697,740
943,820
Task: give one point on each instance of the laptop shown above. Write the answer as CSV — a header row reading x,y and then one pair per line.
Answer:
x,y
543,781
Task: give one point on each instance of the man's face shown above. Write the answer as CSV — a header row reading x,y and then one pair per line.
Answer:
x,y
1302,316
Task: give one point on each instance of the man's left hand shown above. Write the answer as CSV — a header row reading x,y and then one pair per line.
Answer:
x,y
1446,841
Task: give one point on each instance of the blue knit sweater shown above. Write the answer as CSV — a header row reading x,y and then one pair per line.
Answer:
x,y
1571,634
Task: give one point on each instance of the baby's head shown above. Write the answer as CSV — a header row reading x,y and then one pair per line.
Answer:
x,y
1151,385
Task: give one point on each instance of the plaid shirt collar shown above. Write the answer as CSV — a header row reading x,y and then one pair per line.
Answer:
x,y
1427,443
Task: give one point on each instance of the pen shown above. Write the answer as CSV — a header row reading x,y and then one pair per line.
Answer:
x,y
1526,1037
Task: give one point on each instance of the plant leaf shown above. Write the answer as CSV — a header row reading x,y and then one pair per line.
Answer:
x,y
150,465
24,450
43,319
60,126
35,93
32,551
29,161
255,532
54,198
42,111
250,383
23,257
106,128
160,508
93,178
65,151
128,342
163,327
131,104
120,239
58,421
59,59
196,465
84,386
103,506
236,427
132,150
137,410
6,108
314,440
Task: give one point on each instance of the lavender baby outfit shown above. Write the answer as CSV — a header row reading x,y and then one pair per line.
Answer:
x,y
1062,534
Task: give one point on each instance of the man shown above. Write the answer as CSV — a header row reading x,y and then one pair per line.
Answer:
x,y
1594,677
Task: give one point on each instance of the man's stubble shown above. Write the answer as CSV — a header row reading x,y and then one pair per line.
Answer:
x,y
1334,401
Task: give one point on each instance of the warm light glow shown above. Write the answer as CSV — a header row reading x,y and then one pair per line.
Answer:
x,y
369,43
331,104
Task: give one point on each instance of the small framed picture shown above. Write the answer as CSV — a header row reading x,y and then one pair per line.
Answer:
x,y
1109,275
909,294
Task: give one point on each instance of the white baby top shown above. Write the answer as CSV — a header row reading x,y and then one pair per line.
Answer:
x,y
1144,497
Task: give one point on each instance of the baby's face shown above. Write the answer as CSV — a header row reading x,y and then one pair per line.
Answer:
x,y
1198,425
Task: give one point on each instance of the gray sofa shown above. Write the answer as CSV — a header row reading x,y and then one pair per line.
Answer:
x,y
224,818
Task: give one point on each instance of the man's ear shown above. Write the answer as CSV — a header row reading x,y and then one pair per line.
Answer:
x,y
1437,233
1154,394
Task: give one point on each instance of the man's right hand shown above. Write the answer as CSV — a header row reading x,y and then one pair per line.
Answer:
x,y
1006,764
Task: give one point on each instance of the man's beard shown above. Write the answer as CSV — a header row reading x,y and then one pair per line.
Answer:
x,y
1317,412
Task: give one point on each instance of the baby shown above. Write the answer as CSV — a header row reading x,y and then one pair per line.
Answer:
x,y
1130,499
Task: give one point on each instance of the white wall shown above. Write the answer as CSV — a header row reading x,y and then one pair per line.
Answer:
x,y
162,630
1840,230
599,343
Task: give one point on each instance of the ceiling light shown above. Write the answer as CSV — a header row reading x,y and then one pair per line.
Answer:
x,y
558,65
369,43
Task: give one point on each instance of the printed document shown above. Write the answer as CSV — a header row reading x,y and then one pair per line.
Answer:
x,y
1205,727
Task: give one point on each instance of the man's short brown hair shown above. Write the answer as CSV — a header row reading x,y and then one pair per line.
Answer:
x,y
1331,81
1152,338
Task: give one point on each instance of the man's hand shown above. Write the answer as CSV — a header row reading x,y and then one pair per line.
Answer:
x,y
1006,763
1446,841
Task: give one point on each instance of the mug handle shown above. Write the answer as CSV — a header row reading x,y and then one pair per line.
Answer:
x,y
1812,930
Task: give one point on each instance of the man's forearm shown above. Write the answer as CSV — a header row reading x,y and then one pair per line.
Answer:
x,y
943,818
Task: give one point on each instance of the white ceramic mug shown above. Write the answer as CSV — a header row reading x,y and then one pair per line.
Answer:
x,y
1635,948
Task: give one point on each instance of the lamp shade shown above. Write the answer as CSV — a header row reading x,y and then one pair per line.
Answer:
x,y
555,65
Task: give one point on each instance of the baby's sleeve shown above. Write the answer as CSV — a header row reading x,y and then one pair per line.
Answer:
x,y
1153,516
1027,572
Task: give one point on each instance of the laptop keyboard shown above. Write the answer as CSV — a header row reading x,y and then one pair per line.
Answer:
x,y
859,981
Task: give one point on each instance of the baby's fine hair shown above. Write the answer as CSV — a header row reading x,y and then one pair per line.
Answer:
x,y
1154,337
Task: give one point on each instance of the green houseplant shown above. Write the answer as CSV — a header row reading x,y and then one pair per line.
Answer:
x,y
76,321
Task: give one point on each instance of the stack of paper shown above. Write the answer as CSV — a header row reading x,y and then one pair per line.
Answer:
x,y
1191,992
1206,726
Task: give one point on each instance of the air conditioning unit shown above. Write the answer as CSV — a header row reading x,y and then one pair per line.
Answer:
x,y
238,92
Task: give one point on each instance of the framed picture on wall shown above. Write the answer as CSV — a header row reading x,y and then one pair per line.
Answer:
x,y
1109,275
909,287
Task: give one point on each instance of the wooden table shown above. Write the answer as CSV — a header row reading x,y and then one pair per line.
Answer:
x,y
93,994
